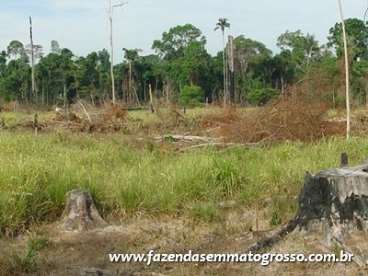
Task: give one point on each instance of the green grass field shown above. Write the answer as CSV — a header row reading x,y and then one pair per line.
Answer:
x,y
37,172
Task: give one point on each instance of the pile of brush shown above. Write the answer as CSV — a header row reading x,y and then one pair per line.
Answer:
x,y
109,118
288,118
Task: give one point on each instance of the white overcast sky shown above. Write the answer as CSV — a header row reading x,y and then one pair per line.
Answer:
x,y
81,25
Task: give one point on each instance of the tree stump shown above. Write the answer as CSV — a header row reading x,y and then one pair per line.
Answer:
x,y
338,196
80,212
334,200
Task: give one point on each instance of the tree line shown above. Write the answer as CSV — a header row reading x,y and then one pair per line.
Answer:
x,y
181,69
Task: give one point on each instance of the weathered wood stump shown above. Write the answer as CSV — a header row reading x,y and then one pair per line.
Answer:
x,y
335,200
80,212
338,196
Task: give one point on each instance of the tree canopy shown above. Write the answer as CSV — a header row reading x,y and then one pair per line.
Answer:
x,y
181,64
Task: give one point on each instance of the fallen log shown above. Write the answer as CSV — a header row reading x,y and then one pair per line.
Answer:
x,y
221,145
186,138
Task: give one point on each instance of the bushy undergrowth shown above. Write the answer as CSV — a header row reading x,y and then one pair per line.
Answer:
x,y
192,95
37,172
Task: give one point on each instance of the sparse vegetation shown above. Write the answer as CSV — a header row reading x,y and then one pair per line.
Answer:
x,y
26,262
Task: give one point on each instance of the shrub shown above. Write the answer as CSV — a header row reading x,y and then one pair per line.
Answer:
x,y
257,93
191,95
260,96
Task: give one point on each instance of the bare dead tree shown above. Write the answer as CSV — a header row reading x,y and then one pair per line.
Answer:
x,y
151,98
32,58
110,13
111,54
347,74
231,69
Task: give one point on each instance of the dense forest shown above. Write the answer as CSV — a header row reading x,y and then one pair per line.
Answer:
x,y
181,70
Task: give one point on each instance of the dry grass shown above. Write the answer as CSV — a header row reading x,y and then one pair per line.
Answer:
x,y
285,119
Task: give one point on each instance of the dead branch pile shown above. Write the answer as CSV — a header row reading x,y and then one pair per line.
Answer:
x,y
284,119
228,116
111,118
359,124
8,107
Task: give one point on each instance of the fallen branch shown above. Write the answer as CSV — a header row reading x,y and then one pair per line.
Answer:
x,y
186,138
268,242
85,112
222,145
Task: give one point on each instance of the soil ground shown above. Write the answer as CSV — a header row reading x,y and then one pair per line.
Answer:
x,y
67,253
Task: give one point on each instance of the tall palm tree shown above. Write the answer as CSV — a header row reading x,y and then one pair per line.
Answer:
x,y
347,74
222,25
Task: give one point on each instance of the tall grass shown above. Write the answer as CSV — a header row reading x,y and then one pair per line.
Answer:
x,y
37,172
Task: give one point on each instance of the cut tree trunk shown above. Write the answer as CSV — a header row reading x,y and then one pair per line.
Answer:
x,y
80,213
339,196
335,200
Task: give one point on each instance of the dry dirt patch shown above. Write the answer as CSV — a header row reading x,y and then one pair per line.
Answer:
x,y
70,253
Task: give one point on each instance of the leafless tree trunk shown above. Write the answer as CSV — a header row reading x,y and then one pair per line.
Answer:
x,y
151,98
32,59
130,81
366,93
347,76
224,61
230,71
111,53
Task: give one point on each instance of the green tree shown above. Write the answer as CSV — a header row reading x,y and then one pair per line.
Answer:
x,y
250,58
173,42
357,33
88,76
15,73
190,68
132,57
191,95
3,59
357,40
259,94
304,49
16,50
283,70
185,59
16,81
55,47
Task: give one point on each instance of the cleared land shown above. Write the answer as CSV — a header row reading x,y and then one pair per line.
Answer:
x,y
208,199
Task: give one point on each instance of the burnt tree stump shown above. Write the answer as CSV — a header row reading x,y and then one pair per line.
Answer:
x,y
80,212
335,199
338,196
